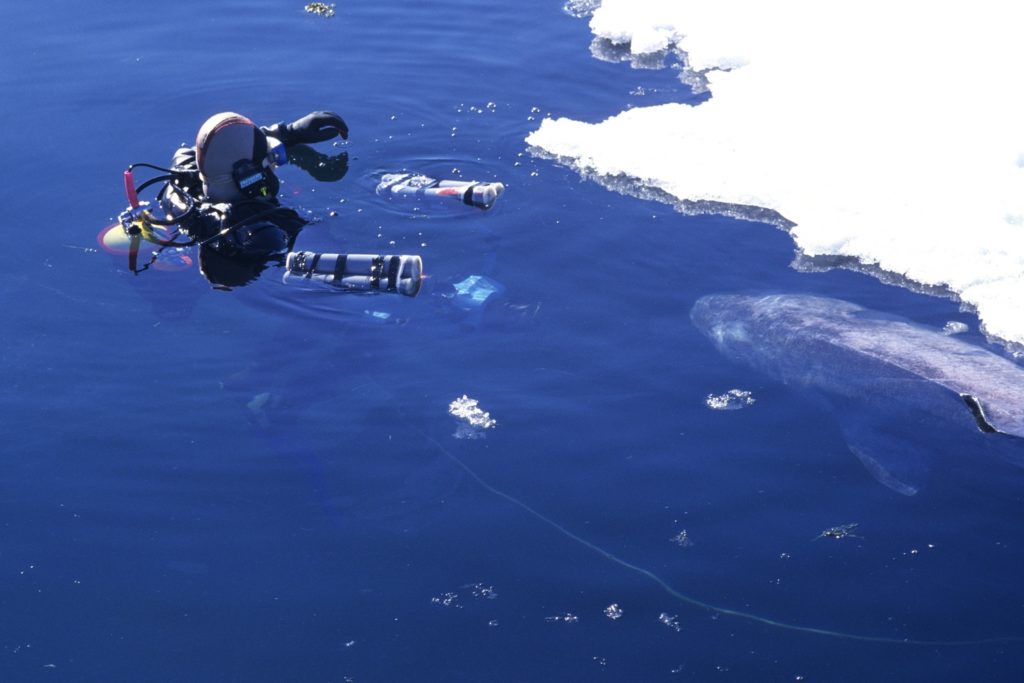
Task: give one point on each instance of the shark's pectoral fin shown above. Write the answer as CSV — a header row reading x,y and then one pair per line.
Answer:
x,y
978,412
897,463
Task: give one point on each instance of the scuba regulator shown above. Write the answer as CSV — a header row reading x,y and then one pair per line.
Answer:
x,y
140,216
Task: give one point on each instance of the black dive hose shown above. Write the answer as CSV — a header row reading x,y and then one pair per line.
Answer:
x,y
169,177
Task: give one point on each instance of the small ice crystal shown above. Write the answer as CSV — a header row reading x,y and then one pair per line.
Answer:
x,y
682,539
734,399
468,409
839,532
567,618
447,600
955,327
481,591
613,611
321,9
580,8
670,620
478,591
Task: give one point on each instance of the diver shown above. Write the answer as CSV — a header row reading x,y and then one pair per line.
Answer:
x,y
222,193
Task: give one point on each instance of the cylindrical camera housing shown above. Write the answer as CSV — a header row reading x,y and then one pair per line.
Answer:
x,y
357,272
471,192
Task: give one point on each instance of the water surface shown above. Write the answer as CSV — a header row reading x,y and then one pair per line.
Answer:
x,y
265,484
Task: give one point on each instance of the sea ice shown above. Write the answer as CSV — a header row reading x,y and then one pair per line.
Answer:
x,y
734,399
887,133
473,417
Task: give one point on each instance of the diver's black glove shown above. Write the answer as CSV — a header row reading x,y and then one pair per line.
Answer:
x,y
317,126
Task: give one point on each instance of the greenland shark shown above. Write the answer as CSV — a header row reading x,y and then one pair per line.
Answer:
x,y
890,381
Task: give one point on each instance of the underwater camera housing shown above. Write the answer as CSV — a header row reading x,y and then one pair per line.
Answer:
x,y
469,192
402,274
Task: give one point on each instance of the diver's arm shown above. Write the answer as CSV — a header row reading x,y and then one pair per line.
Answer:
x,y
317,126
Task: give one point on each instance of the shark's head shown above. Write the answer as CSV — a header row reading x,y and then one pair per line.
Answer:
x,y
754,329
724,319
740,325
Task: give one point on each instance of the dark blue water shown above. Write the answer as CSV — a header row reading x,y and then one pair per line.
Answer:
x,y
264,484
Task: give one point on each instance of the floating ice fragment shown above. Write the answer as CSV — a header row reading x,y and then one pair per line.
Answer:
x,y
682,539
568,618
481,591
474,418
447,600
613,611
839,532
320,9
670,620
955,327
580,8
734,399
477,590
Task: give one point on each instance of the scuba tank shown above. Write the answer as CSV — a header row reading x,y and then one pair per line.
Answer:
x,y
480,195
356,272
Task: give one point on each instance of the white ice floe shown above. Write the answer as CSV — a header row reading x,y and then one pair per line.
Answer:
x,y
473,418
889,133
734,399
670,620
682,539
613,611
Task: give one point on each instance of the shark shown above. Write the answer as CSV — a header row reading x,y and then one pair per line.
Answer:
x,y
889,380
